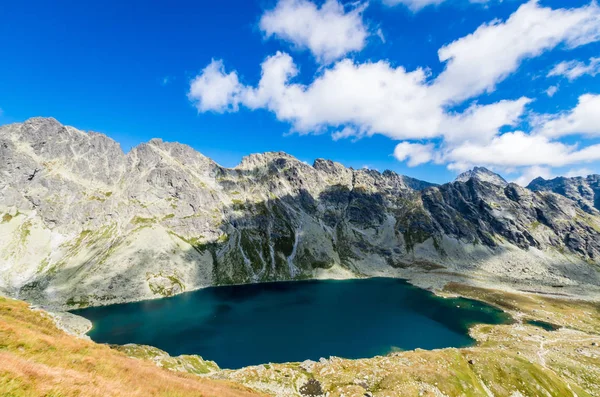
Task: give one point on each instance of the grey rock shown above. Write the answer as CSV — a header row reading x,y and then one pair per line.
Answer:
x,y
583,190
482,174
82,223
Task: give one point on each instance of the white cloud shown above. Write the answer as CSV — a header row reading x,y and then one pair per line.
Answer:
x,y
416,5
553,89
415,153
376,98
214,90
369,167
480,123
583,119
380,34
575,69
346,132
361,99
371,98
579,172
479,61
329,31
529,174
510,149
518,149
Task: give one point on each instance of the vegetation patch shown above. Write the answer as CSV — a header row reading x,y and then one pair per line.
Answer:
x,y
238,205
312,388
25,231
78,301
164,284
140,220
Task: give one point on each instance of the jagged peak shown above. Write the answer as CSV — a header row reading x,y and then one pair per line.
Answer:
x,y
40,131
261,159
482,174
42,120
539,181
326,165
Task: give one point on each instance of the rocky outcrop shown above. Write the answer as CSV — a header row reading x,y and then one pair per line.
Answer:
x,y
482,174
583,190
85,224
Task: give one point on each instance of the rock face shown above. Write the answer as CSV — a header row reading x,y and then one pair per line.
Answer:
x,y
482,174
83,223
583,190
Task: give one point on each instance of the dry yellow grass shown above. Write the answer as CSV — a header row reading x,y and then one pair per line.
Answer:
x,y
38,359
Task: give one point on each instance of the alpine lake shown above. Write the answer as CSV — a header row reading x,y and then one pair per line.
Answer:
x,y
242,325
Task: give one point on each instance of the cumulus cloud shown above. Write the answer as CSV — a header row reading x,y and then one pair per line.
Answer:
x,y
214,90
575,69
364,99
377,98
578,172
480,123
477,62
582,119
531,173
414,153
328,31
518,149
357,100
369,97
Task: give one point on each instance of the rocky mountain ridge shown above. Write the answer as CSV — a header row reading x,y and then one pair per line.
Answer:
x,y
83,223
482,174
583,190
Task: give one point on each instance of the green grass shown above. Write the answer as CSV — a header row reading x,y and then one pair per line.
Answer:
x,y
140,220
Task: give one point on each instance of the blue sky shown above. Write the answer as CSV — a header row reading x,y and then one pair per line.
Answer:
x,y
366,83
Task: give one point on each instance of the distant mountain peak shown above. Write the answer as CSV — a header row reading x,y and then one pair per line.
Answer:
x,y
482,174
583,190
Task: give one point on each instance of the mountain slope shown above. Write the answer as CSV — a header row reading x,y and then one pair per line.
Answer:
x,y
83,223
583,190
38,359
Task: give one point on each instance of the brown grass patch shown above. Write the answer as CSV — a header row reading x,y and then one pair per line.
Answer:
x,y
38,359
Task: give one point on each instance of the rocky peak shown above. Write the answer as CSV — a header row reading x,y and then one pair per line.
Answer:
x,y
482,174
261,160
583,190
327,165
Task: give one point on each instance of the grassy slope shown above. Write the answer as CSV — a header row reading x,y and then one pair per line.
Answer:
x,y
37,359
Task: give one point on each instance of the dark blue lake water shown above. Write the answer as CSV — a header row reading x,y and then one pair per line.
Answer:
x,y
277,322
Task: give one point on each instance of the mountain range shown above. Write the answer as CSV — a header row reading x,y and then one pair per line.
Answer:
x,y
83,223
